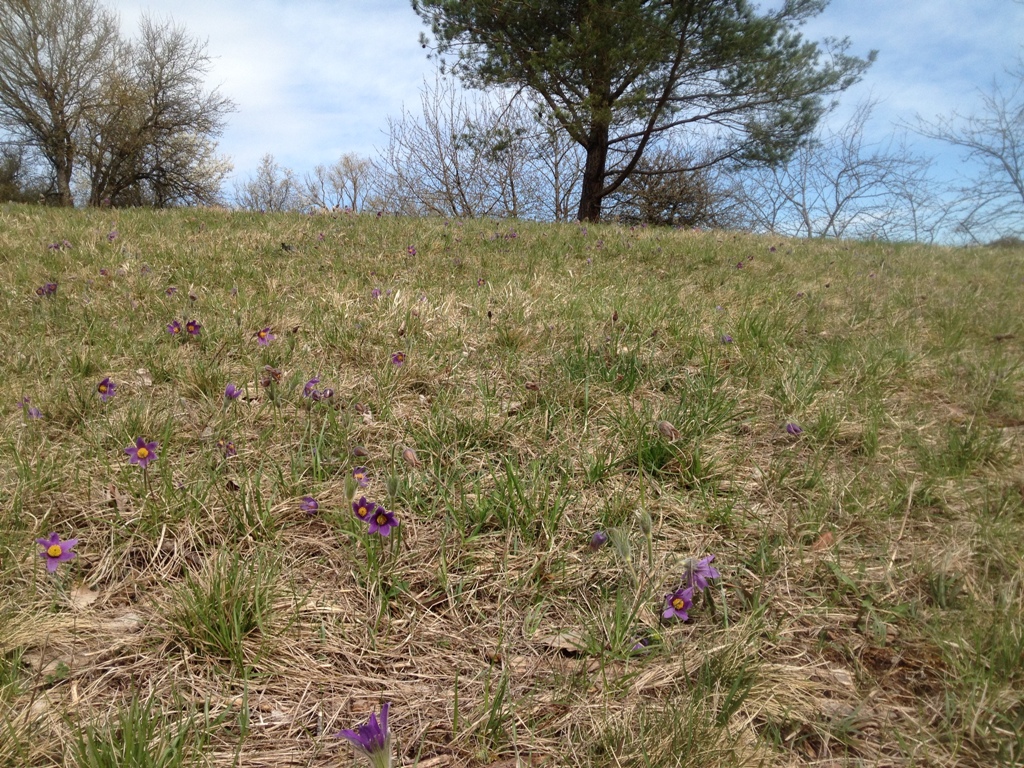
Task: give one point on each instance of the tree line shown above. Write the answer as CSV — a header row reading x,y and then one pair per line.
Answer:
x,y
684,113
120,121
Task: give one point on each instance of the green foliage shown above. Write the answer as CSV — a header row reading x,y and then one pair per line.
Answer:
x,y
617,72
224,613
140,735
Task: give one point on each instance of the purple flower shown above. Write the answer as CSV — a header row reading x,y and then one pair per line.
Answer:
x,y
112,235
231,392
321,394
480,281
193,327
107,389
362,479
46,289
372,739
726,338
677,604
142,453
598,540
310,387
398,358
174,328
382,521
171,290
697,573
641,645
227,448
264,336
411,250
30,411
364,509
309,505
56,551
375,293
794,429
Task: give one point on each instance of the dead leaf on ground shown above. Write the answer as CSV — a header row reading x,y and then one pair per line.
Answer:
x,y
82,597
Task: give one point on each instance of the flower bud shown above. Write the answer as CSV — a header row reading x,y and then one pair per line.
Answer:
x,y
351,484
646,524
411,459
667,428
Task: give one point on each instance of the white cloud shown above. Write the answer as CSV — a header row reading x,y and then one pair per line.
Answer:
x,y
311,79
315,78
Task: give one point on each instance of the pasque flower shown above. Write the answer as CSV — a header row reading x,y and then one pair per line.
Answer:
x,y
56,551
697,573
373,739
677,604
174,328
30,411
231,392
361,477
398,358
142,453
264,336
193,327
309,505
106,389
382,521
363,508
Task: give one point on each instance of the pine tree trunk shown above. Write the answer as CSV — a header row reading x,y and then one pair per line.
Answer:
x,y
593,174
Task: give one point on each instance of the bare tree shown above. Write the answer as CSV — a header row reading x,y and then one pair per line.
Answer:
x,y
556,162
840,184
461,157
659,193
346,184
20,180
272,189
991,202
151,140
53,56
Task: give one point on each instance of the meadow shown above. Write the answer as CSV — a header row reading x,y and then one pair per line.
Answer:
x,y
555,425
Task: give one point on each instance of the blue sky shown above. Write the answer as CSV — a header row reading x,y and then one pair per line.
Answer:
x,y
314,79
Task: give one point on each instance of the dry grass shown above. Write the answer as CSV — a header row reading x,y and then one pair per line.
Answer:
x,y
870,610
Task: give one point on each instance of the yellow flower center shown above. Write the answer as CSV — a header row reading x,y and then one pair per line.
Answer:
x,y
382,519
142,453
103,388
363,512
678,603
54,550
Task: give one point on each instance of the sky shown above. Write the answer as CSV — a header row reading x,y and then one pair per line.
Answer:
x,y
314,79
